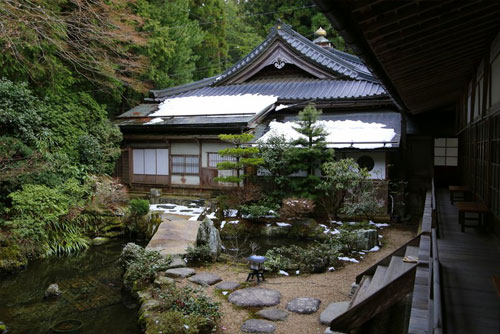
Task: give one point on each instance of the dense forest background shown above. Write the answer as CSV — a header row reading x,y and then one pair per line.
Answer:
x,y
69,66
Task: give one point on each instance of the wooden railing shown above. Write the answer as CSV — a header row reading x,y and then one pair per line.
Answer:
x,y
427,318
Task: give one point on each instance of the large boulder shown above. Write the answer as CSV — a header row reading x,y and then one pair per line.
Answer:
x,y
209,235
367,239
255,297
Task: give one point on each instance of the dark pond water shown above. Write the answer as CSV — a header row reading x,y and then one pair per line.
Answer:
x,y
91,294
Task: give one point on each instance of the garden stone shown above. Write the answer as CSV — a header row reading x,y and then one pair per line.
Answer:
x,y
177,262
149,305
166,206
255,297
162,281
209,235
205,279
180,272
227,286
332,311
367,239
99,241
258,326
275,231
273,314
52,291
303,305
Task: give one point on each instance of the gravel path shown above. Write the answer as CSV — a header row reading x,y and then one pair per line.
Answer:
x,y
328,287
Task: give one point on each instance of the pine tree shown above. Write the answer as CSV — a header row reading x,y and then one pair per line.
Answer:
x,y
239,156
310,151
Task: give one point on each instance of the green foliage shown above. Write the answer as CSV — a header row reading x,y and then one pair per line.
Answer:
x,y
21,113
38,219
199,310
313,259
308,152
139,207
241,37
173,36
212,51
341,179
141,265
241,157
199,255
300,14
173,322
259,210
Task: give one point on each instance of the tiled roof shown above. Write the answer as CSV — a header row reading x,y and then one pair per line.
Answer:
x,y
295,89
338,62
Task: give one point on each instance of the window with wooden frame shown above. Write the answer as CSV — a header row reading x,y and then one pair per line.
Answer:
x,y
185,164
446,152
150,161
213,158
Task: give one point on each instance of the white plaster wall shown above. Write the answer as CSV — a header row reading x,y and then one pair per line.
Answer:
x,y
211,147
189,179
185,148
378,171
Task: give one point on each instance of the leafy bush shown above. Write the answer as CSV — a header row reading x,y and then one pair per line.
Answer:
x,y
38,219
192,303
315,258
296,207
107,192
199,254
139,207
141,265
259,210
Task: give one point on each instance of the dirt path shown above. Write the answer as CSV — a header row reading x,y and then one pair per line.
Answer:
x,y
328,287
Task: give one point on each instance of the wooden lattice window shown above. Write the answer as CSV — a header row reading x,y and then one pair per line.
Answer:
x,y
446,152
215,158
185,164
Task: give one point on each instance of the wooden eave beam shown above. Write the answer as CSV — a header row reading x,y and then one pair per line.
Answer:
x,y
338,14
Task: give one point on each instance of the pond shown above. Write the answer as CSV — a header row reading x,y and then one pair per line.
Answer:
x,y
91,298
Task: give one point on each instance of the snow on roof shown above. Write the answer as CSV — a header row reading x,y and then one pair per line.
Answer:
x,y
154,121
341,134
214,105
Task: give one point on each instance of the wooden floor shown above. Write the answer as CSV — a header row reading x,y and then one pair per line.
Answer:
x,y
468,262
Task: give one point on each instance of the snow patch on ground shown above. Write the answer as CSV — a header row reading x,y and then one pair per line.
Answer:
x,y
282,272
378,225
373,249
331,269
222,224
327,230
283,224
348,259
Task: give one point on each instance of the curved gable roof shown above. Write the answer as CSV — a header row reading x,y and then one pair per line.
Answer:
x,y
338,64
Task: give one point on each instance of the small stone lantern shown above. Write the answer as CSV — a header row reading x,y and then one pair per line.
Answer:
x,y
256,267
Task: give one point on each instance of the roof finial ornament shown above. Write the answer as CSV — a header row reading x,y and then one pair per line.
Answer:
x,y
320,32
278,24
321,39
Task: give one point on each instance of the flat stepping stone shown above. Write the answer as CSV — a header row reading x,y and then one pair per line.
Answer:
x,y
258,326
177,262
273,314
162,281
255,297
227,286
332,311
180,272
303,305
205,279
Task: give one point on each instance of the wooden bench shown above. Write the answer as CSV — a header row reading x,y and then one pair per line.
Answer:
x,y
472,207
459,193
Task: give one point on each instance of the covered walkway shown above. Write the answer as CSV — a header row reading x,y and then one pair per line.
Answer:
x,y
468,262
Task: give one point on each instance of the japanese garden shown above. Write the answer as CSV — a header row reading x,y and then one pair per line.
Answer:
x,y
226,166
